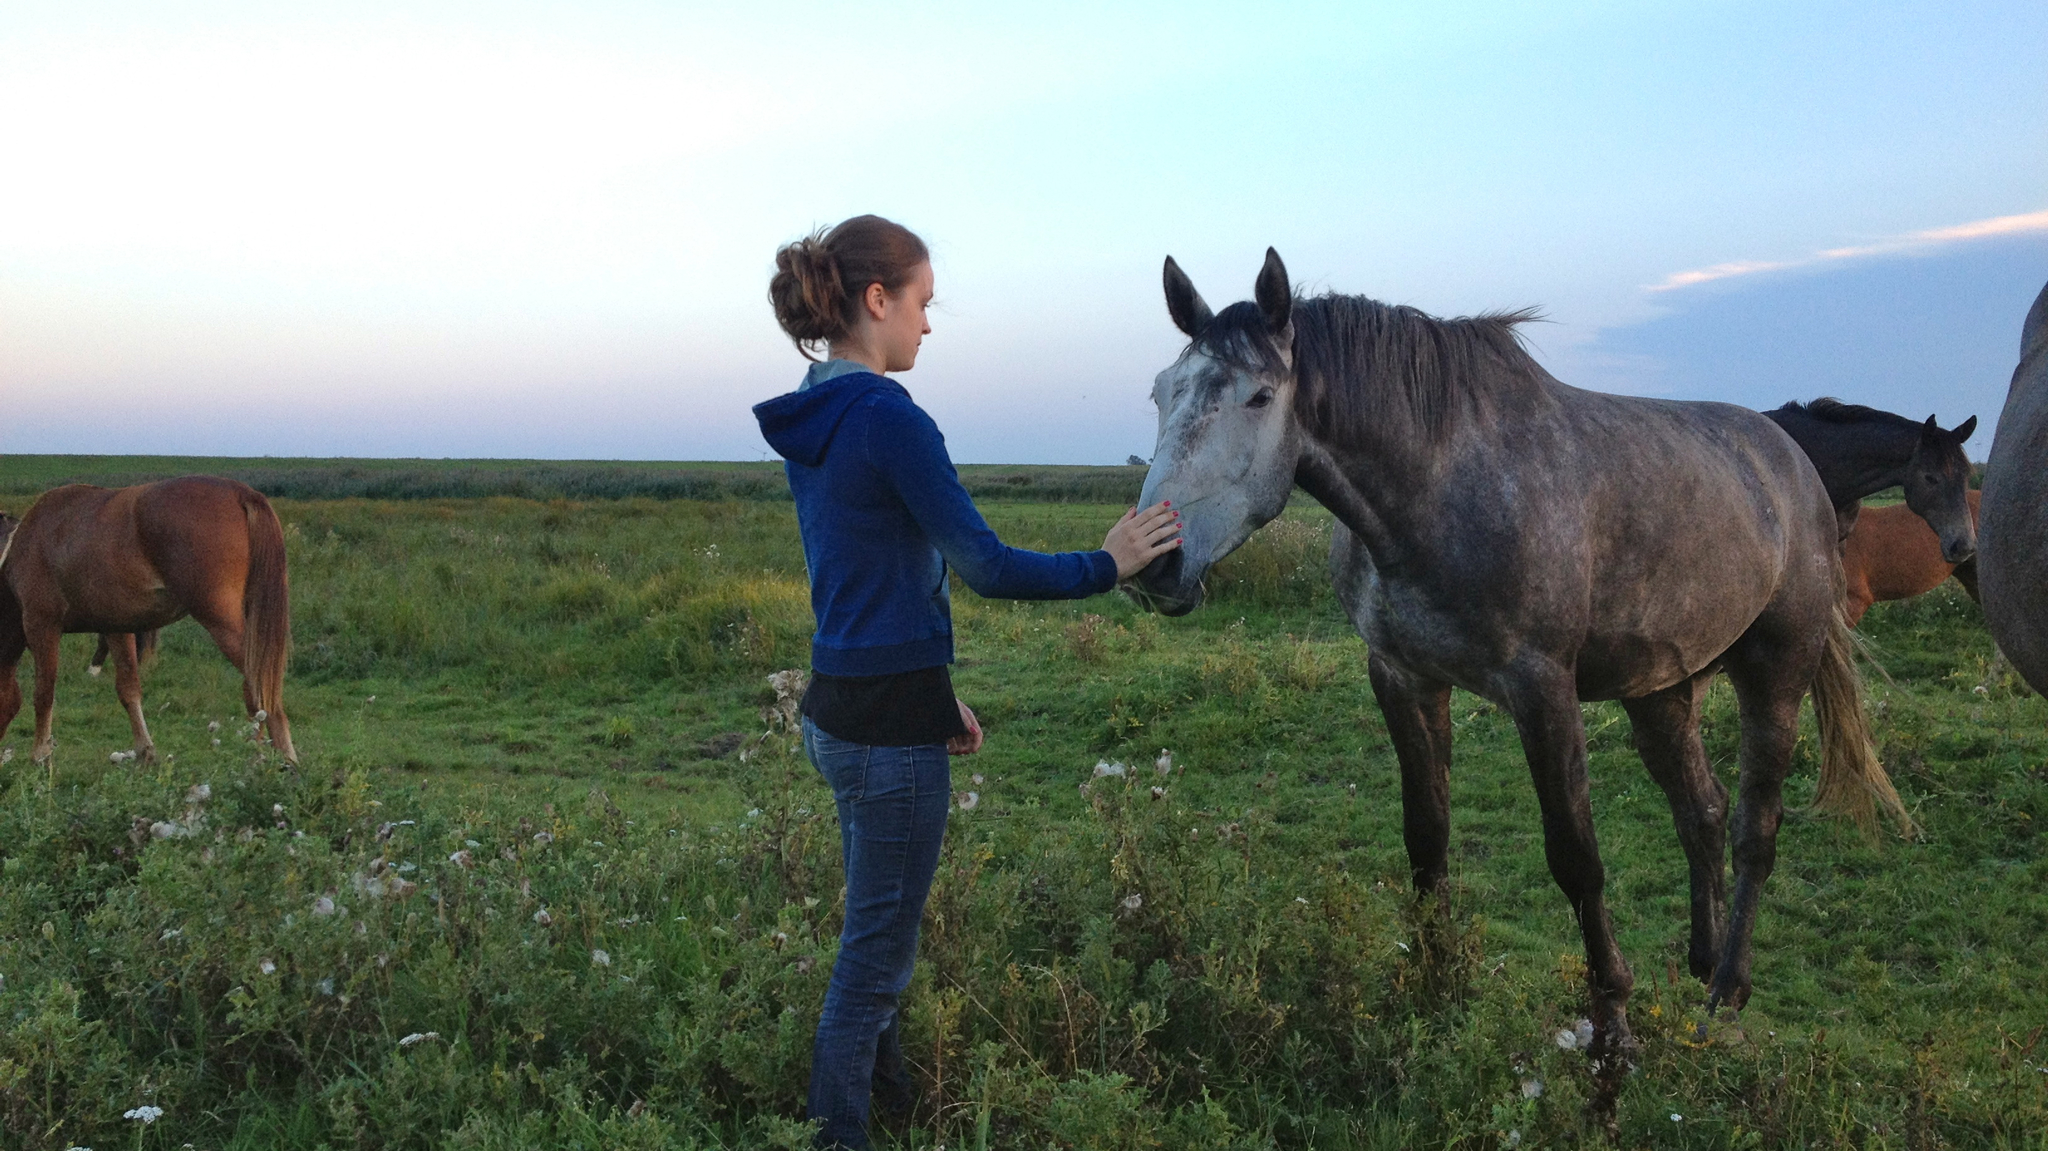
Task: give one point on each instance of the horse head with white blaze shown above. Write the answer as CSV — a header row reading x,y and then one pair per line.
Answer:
x,y
1229,444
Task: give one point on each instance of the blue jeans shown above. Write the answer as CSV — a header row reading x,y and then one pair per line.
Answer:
x,y
892,814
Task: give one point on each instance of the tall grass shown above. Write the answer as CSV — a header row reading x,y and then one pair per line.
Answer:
x,y
509,707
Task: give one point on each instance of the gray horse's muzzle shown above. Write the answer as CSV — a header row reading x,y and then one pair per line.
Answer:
x,y
1167,586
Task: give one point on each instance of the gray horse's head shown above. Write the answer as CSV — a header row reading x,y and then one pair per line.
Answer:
x,y
1937,486
1228,439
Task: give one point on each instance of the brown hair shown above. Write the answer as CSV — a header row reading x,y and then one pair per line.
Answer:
x,y
820,279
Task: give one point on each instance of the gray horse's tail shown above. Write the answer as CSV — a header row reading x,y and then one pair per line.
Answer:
x,y
1852,781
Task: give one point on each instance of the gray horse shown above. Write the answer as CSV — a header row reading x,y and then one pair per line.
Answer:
x,y
2012,553
1536,545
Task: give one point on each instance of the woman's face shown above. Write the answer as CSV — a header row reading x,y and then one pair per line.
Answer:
x,y
896,321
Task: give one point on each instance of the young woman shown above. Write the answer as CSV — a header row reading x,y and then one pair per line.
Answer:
x,y
883,517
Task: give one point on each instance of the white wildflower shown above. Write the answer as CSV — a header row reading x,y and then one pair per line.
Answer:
x,y
261,715
461,858
1532,1088
543,918
213,726
600,957
1567,1040
144,1114
1159,793
200,793
1300,900
418,1037
325,986
754,813
969,800
372,699
1164,764
1677,1118
1104,767
1584,1030
6,755
277,809
1133,901
978,781
216,741
267,967
323,906
1514,1138
543,838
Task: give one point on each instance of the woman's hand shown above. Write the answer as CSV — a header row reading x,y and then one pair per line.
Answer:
x,y
1141,537
969,743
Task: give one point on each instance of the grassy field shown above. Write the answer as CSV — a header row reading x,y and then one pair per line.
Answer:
x,y
552,875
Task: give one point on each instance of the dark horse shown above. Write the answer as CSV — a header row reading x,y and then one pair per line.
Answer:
x,y
1536,545
2012,567
1861,451
123,561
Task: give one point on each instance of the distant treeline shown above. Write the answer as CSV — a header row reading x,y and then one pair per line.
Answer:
x,y
312,479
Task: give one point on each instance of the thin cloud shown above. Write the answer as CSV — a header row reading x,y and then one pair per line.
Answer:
x,y
2023,224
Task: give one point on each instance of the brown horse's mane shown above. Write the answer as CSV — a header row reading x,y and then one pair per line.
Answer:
x,y
1359,363
1830,410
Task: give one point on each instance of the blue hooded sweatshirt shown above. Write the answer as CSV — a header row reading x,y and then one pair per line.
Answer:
x,y
882,514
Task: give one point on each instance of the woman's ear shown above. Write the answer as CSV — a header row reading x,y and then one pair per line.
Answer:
x,y
876,298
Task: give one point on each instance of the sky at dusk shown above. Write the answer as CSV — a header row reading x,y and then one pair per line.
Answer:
x,y
542,230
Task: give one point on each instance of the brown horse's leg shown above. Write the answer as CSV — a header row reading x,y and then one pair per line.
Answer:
x,y
1769,683
1418,716
1667,735
43,639
12,645
128,688
226,630
1553,734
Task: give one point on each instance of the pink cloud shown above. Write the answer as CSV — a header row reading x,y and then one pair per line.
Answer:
x,y
2025,223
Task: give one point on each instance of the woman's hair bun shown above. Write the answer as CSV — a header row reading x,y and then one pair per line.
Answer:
x,y
819,279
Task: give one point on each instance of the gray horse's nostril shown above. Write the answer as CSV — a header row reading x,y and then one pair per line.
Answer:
x,y
1163,571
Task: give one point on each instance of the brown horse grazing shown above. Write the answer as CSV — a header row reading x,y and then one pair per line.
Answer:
x,y
1536,545
123,561
1894,554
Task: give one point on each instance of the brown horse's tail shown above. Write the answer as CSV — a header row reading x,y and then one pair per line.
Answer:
x,y
1852,781
267,619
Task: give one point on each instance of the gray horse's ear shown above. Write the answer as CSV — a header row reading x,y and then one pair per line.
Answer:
x,y
1274,296
1964,429
1185,304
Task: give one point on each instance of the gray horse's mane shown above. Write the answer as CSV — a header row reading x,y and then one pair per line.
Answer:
x,y
1360,363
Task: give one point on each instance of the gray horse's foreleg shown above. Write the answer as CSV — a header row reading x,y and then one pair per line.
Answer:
x,y
1667,735
1418,716
1553,734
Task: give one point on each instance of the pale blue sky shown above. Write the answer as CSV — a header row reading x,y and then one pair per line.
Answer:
x,y
545,230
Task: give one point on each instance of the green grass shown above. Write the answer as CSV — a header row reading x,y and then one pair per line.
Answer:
x,y
22,477
494,668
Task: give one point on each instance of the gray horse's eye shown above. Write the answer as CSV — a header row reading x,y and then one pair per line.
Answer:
x,y
1264,397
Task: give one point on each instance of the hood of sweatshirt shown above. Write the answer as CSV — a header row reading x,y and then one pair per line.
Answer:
x,y
800,425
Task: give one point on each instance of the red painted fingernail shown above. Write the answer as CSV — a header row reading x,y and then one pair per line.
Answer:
x,y
1166,503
